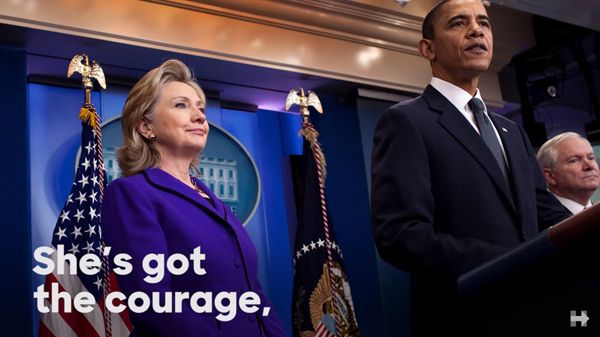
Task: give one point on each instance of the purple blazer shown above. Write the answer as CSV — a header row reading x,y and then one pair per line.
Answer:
x,y
153,212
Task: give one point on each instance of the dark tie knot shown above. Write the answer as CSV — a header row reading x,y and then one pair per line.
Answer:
x,y
476,105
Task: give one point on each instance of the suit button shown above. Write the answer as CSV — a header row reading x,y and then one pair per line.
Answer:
x,y
237,263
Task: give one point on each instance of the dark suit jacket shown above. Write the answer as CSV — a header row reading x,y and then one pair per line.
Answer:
x,y
440,204
153,212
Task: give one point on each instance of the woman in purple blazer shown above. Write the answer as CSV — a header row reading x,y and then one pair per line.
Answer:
x,y
158,208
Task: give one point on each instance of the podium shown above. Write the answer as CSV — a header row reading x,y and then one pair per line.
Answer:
x,y
548,286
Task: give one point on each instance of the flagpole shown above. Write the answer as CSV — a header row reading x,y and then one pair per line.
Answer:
x,y
88,114
308,131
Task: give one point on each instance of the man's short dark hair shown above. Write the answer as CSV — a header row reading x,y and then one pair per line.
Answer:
x,y
428,29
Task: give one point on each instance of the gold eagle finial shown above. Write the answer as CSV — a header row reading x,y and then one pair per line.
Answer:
x,y
81,64
296,96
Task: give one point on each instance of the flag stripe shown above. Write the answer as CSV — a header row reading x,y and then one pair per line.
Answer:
x,y
44,332
74,286
323,331
76,320
54,324
119,328
120,323
120,320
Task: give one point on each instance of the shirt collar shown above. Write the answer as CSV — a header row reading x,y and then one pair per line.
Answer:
x,y
573,206
456,95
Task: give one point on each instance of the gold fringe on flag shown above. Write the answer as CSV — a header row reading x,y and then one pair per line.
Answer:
x,y
87,115
311,134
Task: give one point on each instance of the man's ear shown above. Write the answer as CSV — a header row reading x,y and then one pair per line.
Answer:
x,y
550,180
144,128
426,49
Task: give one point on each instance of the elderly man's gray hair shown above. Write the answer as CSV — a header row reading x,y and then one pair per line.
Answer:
x,y
547,155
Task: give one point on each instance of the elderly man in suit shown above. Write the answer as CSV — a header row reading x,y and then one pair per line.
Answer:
x,y
453,184
570,169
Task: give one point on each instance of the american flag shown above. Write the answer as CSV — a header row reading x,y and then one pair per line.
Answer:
x,y
78,230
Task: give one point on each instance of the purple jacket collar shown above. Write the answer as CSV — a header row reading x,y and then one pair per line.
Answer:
x,y
167,182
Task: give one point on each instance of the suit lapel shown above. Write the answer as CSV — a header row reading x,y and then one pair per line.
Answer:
x,y
167,182
455,123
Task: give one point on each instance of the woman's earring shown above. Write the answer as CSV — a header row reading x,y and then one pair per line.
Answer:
x,y
151,136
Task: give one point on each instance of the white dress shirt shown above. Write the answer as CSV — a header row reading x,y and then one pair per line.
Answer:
x,y
460,99
573,206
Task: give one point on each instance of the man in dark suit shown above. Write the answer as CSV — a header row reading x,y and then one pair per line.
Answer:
x,y
453,185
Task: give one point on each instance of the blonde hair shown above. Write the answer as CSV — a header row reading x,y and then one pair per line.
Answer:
x,y
548,155
139,153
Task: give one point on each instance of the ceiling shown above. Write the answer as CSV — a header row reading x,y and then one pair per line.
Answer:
x,y
584,13
49,54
